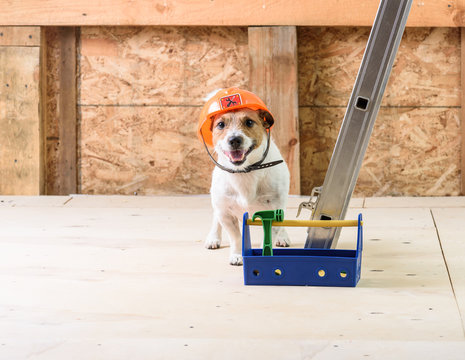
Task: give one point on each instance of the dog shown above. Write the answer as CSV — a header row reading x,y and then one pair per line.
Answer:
x,y
250,175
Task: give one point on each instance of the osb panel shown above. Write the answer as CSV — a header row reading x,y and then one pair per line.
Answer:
x,y
160,65
148,150
19,121
318,132
426,71
412,151
151,149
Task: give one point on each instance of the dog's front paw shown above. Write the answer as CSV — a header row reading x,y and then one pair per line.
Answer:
x,y
282,239
235,259
212,242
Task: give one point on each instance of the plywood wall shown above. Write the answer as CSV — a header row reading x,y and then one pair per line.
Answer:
x,y
415,146
20,138
141,89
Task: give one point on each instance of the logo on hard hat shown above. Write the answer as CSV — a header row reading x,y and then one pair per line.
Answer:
x,y
231,100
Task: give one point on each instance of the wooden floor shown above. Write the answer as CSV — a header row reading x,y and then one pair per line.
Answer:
x,y
110,277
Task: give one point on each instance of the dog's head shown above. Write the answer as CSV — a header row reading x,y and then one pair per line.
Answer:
x,y
240,136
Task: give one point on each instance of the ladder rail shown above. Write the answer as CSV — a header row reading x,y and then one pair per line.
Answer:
x,y
359,119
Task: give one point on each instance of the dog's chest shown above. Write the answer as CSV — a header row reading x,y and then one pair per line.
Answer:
x,y
248,194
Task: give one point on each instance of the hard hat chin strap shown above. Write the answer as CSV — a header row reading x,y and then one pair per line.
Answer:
x,y
256,166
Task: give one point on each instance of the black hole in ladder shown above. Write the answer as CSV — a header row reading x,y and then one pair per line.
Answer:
x,y
362,103
325,217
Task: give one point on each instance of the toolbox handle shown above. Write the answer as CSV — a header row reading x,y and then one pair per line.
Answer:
x,y
246,244
359,234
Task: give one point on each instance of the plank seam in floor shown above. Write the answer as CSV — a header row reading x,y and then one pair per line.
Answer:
x,y
67,201
447,269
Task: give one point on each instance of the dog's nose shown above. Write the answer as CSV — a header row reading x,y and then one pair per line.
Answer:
x,y
235,142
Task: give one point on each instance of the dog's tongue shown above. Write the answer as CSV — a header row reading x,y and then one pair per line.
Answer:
x,y
236,155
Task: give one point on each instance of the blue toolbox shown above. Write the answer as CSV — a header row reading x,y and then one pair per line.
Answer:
x,y
295,266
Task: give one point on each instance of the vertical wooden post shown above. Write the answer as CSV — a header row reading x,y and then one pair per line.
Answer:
x,y
273,77
20,132
462,113
59,112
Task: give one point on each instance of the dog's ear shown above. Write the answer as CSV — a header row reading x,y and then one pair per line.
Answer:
x,y
267,118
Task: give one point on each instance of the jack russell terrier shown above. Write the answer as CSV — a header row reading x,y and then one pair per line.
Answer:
x,y
250,173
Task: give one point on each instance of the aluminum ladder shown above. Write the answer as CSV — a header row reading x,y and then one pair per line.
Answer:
x,y
330,201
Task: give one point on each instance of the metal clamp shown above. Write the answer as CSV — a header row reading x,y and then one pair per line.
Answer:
x,y
312,202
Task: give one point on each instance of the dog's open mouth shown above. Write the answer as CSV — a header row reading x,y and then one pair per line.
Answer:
x,y
237,157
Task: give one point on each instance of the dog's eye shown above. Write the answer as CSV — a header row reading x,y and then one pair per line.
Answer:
x,y
249,123
220,125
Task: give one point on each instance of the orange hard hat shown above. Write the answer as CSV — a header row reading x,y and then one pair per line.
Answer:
x,y
223,101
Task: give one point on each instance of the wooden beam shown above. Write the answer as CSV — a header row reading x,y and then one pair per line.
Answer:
x,y
42,109
437,13
462,114
59,109
19,119
273,77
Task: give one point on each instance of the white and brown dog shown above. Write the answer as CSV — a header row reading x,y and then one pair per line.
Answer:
x,y
250,174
